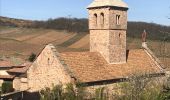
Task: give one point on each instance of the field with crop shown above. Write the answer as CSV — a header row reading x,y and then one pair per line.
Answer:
x,y
21,42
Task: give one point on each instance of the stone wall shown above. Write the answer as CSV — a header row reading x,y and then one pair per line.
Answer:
x,y
117,46
109,87
109,18
1,81
123,19
46,71
20,84
3,71
99,42
108,39
92,20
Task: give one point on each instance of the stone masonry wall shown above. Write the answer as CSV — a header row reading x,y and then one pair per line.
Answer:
x,y
117,46
109,39
4,71
123,19
47,71
92,21
1,81
20,84
99,42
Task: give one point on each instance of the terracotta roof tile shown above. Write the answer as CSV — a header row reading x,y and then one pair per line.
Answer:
x,y
20,69
7,77
91,66
5,63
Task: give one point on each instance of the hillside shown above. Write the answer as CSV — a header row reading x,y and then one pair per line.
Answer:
x,y
155,31
5,21
22,41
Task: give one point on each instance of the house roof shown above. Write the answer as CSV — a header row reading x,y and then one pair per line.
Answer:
x,y
7,77
20,69
102,3
5,64
92,67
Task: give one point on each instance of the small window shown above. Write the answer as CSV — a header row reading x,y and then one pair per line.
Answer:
x,y
119,35
120,38
95,19
48,61
118,19
102,19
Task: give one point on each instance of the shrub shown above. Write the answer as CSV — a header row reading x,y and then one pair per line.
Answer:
x,y
32,57
142,88
166,90
52,94
58,93
135,88
101,94
7,87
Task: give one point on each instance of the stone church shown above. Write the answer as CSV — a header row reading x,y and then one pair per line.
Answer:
x,y
107,62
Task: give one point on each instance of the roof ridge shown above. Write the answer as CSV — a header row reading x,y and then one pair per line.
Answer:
x,y
154,58
114,3
57,54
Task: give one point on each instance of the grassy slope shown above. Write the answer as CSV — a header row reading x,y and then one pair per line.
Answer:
x,y
22,42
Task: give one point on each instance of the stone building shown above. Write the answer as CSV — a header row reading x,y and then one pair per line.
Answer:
x,y
108,25
5,65
107,62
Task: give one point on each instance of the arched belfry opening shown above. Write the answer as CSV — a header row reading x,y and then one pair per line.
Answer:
x,y
117,19
102,19
95,20
109,37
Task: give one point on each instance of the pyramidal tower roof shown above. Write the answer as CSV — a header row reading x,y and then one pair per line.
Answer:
x,y
102,3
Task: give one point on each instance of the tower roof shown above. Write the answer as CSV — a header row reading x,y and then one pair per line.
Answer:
x,y
102,3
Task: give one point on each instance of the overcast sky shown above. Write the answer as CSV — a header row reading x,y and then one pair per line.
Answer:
x,y
156,11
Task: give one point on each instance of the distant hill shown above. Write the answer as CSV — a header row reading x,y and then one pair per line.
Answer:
x,y
81,25
5,21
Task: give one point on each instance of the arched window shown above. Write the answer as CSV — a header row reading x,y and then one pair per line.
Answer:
x,y
102,19
118,19
95,20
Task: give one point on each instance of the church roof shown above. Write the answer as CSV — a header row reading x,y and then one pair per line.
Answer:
x,y
92,67
102,3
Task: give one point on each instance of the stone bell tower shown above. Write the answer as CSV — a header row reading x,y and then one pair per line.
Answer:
x,y
108,25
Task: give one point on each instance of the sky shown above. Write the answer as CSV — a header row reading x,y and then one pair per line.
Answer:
x,y
155,11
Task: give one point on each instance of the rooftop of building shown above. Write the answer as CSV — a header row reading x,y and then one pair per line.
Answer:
x,y
103,3
91,66
20,69
7,76
6,64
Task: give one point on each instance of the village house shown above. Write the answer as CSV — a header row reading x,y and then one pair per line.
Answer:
x,y
4,76
107,62
9,70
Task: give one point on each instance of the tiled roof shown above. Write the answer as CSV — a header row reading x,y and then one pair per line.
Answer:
x,y
20,69
5,63
7,77
101,3
91,66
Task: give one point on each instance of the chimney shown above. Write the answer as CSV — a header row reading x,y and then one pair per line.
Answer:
x,y
144,43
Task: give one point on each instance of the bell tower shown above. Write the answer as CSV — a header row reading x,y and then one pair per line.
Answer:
x,y
108,25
